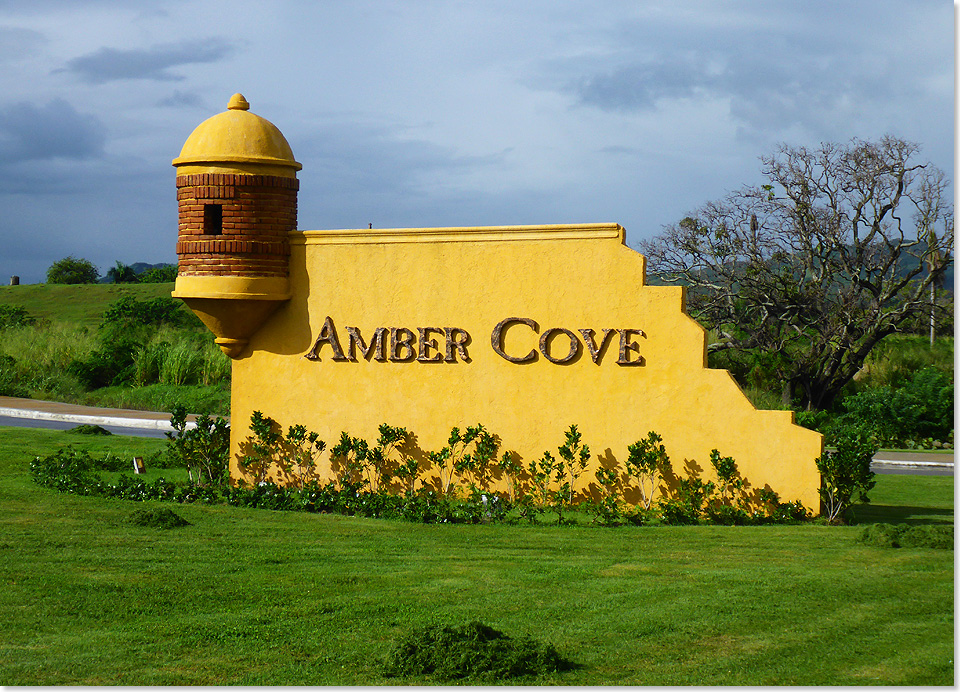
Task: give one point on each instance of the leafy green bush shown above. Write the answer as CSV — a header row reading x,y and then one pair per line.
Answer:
x,y
647,461
155,311
294,454
71,270
204,448
15,316
9,379
149,342
159,275
920,409
845,474
66,471
476,465
688,505
474,652
112,362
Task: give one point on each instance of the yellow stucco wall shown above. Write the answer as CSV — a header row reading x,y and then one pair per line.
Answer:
x,y
472,278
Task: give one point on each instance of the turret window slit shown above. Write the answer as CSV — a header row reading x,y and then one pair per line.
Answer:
x,y
212,219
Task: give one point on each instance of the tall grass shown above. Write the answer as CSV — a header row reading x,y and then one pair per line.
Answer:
x,y
170,361
42,354
41,347
176,357
213,400
896,359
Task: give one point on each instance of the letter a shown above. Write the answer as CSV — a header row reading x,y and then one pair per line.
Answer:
x,y
327,335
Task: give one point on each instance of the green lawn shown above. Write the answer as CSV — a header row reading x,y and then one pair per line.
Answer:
x,y
250,597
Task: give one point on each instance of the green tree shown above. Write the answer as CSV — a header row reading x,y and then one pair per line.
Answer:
x,y
72,270
846,475
647,460
802,276
204,448
122,273
166,273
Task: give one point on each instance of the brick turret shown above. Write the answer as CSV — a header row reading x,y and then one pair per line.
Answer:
x,y
237,198
235,224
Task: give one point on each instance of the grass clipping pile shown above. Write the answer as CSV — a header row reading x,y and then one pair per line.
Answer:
x,y
474,651
904,536
161,518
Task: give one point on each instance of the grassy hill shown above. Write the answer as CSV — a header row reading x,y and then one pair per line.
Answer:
x,y
81,304
160,366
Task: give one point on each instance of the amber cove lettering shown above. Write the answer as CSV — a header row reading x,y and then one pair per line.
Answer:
x,y
449,344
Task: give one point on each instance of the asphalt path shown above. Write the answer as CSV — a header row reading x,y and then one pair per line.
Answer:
x,y
27,413
66,425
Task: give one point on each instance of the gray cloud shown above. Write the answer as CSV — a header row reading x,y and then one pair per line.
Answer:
x,y
56,130
15,42
356,174
182,98
777,69
111,64
639,86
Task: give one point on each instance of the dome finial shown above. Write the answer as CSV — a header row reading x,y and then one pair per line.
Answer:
x,y
238,103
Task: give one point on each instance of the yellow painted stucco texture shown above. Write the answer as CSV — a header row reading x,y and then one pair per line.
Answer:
x,y
524,329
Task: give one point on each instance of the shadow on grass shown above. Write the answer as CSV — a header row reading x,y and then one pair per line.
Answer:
x,y
900,514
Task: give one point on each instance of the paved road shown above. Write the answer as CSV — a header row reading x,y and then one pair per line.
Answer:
x,y
915,463
30,413
66,425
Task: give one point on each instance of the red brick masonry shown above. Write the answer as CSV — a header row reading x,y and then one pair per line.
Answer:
x,y
258,211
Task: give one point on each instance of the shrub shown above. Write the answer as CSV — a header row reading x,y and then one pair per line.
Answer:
x,y
9,380
920,409
687,507
647,460
155,311
71,270
204,448
474,651
15,316
112,362
574,457
476,465
845,475
163,274
607,510
66,471
295,454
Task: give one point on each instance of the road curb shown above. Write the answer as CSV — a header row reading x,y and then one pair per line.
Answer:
x,y
90,419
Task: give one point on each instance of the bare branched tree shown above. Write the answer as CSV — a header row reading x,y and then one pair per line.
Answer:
x,y
807,273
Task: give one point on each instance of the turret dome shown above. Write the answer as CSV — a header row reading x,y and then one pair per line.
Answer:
x,y
237,141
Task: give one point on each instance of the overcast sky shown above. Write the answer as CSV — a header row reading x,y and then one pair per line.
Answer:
x,y
420,113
